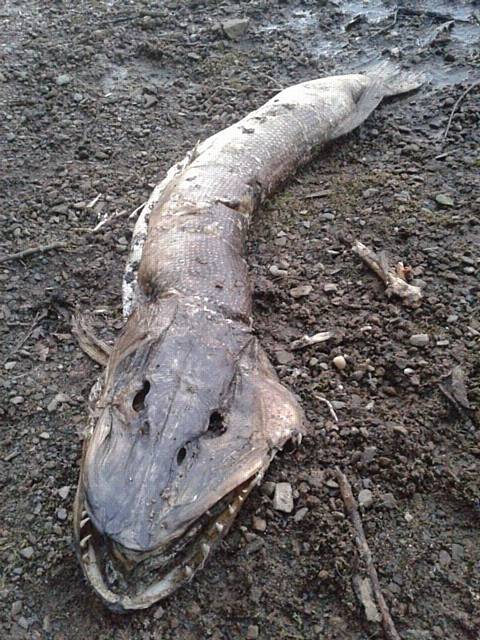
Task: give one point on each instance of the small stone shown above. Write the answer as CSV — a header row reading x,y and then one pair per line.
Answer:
x,y
268,488
444,558
62,514
23,622
457,552
44,435
235,28
276,272
27,553
331,484
300,514
369,454
252,632
63,492
444,200
259,524
9,365
339,362
301,291
408,517
17,400
330,287
159,612
419,340
369,193
16,608
365,498
283,497
388,500
63,79
284,357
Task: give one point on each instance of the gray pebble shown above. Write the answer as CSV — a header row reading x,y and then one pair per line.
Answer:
x,y
365,498
62,513
283,497
27,553
419,340
16,608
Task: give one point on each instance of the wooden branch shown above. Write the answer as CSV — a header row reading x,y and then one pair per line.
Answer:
x,y
32,250
393,277
456,105
351,507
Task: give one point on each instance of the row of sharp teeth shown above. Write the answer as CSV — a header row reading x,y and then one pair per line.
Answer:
x,y
189,571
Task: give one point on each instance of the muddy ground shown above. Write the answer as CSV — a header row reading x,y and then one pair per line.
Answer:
x,y
98,99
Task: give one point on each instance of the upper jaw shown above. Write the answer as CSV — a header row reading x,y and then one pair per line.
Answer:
x,y
99,556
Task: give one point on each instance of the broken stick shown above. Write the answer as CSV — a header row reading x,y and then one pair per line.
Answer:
x,y
351,507
393,277
28,252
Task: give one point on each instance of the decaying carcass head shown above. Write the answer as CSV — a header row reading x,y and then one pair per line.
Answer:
x,y
190,416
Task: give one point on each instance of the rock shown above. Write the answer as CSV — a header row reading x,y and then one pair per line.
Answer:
x,y
62,514
16,608
388,500
340,362
235,28
252,632
370,193
457,552
63,492
301,291
363,589
17,400
444,558
300,514
268,488
365,498
275,271
27,553
419,340
444,200
44,435
259,524
283,497
284,357
58,399
23,622
369,454
159,612
9,365
63,79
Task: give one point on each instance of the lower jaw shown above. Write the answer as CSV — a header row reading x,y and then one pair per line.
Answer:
x,y
180,570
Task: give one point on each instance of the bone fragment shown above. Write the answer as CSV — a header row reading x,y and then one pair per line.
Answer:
x,y
393,277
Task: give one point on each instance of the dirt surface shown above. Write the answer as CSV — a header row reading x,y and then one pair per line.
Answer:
x,y
98,99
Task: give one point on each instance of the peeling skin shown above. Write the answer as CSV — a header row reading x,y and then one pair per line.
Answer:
x,y
191,412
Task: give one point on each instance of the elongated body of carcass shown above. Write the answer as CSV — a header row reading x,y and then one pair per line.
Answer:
x,y
191,412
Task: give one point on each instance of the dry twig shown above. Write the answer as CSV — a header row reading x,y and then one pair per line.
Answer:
x,y
329,405
456,105
351,507
393,277
32,250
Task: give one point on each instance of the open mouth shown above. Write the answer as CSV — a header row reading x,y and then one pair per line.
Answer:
x,y
126,579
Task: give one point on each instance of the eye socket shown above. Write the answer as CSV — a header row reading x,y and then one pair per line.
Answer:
x,y
216,425
138,402
181,455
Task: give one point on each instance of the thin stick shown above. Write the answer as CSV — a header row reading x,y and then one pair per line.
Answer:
x,y
329,405
38,316
28,252
456,105
351,507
